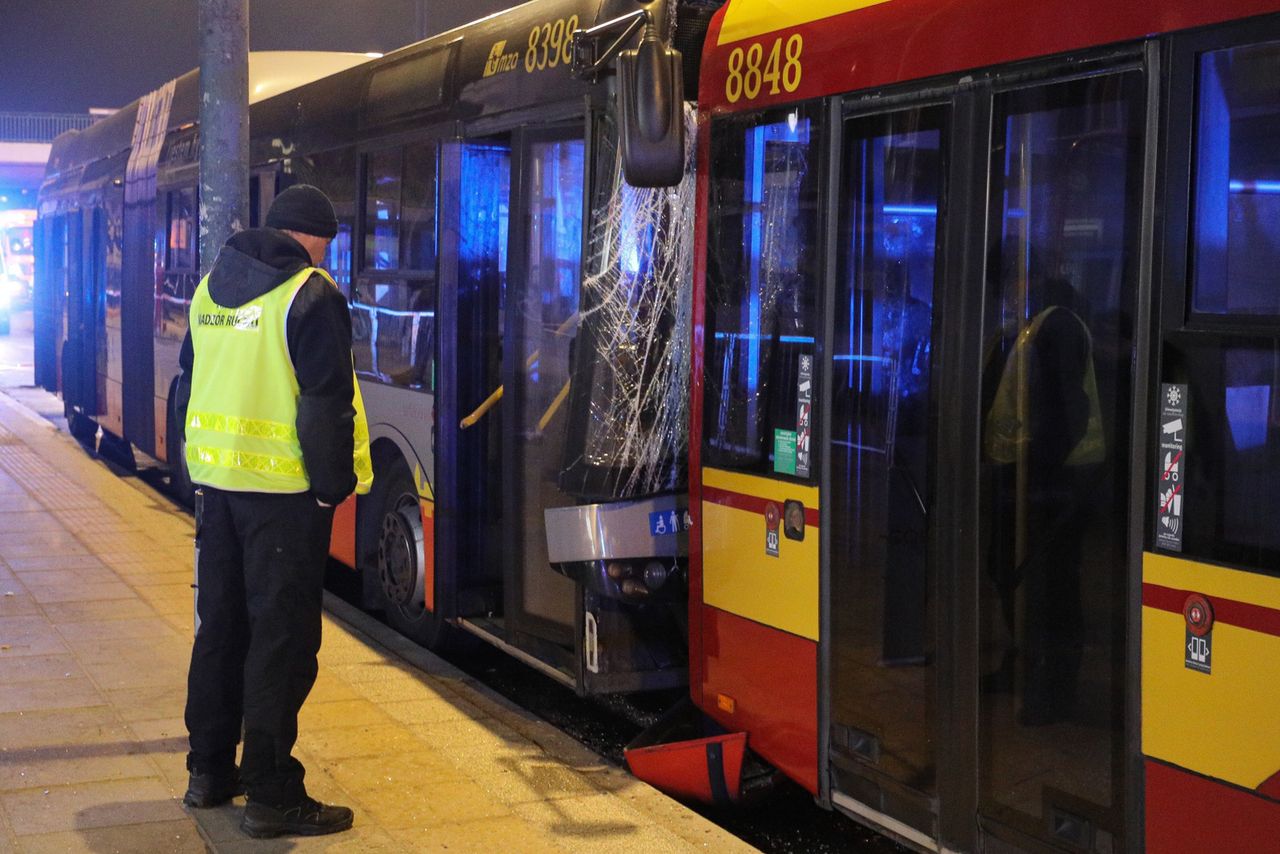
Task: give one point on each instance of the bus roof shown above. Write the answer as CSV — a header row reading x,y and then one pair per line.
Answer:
x,y
274,71
270,73
851,45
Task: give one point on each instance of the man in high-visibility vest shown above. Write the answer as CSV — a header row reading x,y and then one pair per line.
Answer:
x,y
1043,443
275,438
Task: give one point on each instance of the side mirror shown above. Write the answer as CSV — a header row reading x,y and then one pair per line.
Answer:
x,y
651,113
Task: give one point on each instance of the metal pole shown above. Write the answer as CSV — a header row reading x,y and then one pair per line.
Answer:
x,y
422,19
224,124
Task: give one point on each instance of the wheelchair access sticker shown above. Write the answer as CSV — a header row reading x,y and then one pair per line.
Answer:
x,y
667,522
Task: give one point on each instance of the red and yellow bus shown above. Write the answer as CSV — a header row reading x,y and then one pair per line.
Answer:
x,y
985,443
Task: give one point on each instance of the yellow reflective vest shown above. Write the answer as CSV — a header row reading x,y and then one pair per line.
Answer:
x,y
241,425
1007,421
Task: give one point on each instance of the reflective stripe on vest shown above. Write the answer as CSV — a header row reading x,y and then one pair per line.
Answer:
x,y
1006,428
240,429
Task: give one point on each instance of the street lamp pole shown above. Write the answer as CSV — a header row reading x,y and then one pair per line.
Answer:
x,y
224,123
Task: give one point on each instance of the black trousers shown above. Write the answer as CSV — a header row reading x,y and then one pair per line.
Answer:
x,y
260,584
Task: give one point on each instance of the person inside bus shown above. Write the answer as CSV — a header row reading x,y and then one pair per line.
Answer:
x,y
276,437
1042,442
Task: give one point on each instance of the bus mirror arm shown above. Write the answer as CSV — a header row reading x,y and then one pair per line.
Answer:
x,y
589,57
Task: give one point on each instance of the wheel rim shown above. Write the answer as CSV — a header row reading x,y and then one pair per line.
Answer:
x,y
400,555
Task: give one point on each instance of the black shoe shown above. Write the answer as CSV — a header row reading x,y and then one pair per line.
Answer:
x,y
309,818
212,789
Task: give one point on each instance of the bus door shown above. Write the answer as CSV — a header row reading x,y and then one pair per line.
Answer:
x,y
68,348
882,574
1064,239
517,317
84,313
47,301
1025,611
138,319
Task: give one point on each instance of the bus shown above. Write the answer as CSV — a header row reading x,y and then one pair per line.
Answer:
x,y
520,316
17,262
1021,591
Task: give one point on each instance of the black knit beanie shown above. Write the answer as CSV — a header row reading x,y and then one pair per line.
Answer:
x,y
305,209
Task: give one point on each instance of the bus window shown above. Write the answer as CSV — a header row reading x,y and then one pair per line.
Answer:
x,y
761,285
180,254
1232,453
334,172
418,208
393,313
1237,183
382,210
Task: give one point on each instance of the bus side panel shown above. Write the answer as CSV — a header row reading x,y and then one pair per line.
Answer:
x,y
1187,812
342,540
759,617
769,679
1208,706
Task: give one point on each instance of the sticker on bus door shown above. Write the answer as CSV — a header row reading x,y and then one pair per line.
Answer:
x,y
804,415
1172,466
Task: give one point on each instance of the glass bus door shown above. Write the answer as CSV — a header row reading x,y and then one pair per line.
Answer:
x,y
1063,243
84,301
519,255
541,325
883,606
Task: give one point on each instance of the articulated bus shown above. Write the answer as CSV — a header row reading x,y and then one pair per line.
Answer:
x,y
985,441
520,318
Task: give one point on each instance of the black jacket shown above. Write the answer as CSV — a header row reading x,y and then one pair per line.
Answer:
x,y
318,331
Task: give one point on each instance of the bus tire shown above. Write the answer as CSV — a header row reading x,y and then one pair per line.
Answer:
x,y
180,484
391,540
82,428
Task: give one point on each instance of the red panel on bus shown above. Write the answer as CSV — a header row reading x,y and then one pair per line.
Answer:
x,y
1193,814
763,682
906,40
342,541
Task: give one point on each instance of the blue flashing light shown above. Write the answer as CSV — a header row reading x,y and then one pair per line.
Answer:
x,y
910,210
855,357
752,336
1267,188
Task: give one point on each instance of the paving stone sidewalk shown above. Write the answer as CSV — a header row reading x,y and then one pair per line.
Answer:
x,y
95,634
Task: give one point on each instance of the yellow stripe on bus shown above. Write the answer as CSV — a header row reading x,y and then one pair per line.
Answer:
x,y
737,574
1220,724
746,19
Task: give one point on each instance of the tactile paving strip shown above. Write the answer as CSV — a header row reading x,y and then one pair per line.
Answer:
x,y
42,481
94,520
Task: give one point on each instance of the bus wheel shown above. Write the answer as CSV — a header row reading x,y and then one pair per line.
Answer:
x,y
180,484
400,564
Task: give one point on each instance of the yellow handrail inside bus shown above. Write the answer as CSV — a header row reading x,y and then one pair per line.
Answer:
x,y
555,404
489,402
492,400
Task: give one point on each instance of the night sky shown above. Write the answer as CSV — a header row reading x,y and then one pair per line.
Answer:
x,y
70,55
